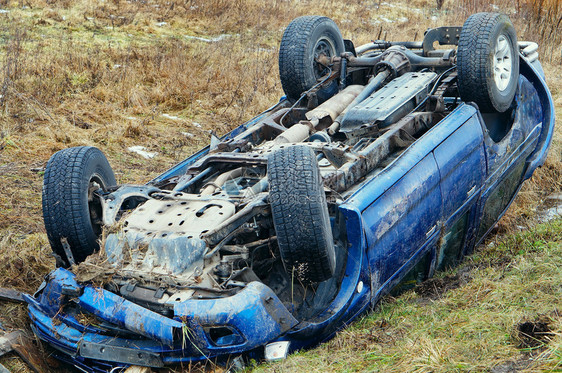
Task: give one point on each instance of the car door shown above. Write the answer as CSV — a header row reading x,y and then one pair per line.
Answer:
x,y
403,223
462,166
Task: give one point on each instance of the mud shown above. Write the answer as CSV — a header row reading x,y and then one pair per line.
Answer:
x,y
435,288
531,334
523,363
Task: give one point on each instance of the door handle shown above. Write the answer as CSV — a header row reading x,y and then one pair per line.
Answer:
x,y
430,232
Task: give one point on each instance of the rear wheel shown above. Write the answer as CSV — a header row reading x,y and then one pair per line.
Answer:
x,y
488,62
305,41
300,214
72,211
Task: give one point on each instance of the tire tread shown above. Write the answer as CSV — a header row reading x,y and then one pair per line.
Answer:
x,y
300,213
62,200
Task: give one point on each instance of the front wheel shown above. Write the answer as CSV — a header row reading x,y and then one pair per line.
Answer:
x,y
72,209
305,42
488,62
300,214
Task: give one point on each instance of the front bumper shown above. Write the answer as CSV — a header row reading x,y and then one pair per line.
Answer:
x,y
93,326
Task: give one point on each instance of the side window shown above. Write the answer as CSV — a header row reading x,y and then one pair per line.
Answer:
x,y
498,199
452,243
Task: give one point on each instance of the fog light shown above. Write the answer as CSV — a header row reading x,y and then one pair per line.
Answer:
x,y
222,336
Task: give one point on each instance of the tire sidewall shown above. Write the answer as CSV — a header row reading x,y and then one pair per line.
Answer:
x,y
501,100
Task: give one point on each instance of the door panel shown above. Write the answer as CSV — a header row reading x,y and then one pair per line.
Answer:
x,y
462,165
401,221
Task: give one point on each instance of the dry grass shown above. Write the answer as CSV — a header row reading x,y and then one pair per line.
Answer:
x,y
475,327
104,74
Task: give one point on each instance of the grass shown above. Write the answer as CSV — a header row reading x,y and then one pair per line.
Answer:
x,y
516,278
115,74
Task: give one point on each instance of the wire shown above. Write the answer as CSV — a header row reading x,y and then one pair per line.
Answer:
x,y
434,87
305,93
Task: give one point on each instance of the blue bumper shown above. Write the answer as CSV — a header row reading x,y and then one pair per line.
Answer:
x,y
95,325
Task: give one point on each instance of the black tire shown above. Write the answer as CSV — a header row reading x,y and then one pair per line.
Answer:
x,y
303,40
483,75
69,208
300,214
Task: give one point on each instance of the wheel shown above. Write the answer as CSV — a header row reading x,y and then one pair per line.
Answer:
x,y
304,41
300,214
488,62
70,208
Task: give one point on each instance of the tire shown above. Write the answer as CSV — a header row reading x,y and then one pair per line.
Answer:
x,y
488,62
300,214
69,208
303,40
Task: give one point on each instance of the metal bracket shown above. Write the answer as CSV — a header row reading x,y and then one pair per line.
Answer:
x,y
118,354
67,251
444,35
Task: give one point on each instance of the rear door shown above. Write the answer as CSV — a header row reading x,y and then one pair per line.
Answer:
x,y
507,155
462,165
403,223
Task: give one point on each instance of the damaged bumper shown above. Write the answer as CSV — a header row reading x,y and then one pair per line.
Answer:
x,y
92,324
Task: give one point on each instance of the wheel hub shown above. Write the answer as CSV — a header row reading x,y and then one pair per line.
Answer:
x,y
94,204
502,63
323,48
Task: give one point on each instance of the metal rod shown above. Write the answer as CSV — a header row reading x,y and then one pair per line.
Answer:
x,y
374,84
186,184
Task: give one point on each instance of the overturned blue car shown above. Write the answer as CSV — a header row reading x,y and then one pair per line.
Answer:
x,y
382,164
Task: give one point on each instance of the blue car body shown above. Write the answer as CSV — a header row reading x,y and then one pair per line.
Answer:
x,y
425,210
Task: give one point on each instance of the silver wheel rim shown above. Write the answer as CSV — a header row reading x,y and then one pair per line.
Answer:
x,y
502,63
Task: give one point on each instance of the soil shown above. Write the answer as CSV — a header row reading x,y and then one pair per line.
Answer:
x,y
531,334
435,288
